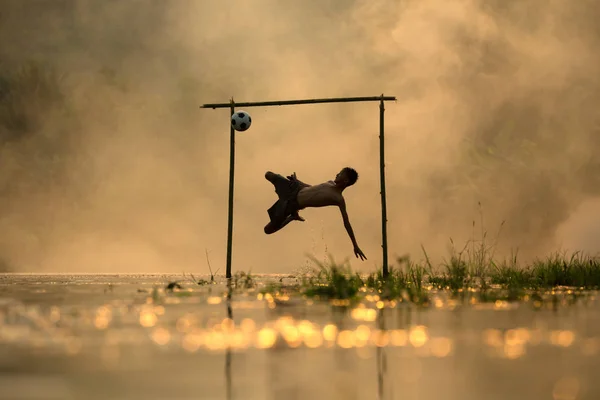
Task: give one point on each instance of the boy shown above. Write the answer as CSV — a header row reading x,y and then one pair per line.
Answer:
x,y
295,195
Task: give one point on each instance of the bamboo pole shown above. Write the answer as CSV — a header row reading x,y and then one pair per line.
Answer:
x,y
306,101
231,179
383,194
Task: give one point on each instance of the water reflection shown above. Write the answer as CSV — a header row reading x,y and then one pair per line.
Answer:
x,y
345,365
285,346
228,384
381,357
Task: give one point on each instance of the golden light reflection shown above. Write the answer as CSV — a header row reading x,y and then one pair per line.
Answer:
x,y
192,342
227,325
364,314
305,327
345,339
103,317
214,341
441,347
247,325
493,337
562,338
147,318
214,300
340,302
101,322
398,337
239,340
283,321
418,336
291,335
516,336
161,336
225,333
159,310
54,314
330,332
451,304
282,297
266,338
380,338
183,325
514,351
313,339
362,334
566,388
372,298
501,304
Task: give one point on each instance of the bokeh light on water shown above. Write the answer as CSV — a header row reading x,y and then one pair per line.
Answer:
x,y
395,346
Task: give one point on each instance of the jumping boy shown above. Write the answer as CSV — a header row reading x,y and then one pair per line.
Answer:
x,y
295,195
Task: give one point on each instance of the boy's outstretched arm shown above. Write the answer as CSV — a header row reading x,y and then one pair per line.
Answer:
x,y
357,251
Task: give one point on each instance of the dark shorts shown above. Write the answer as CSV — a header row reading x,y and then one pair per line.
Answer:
x,y
287,191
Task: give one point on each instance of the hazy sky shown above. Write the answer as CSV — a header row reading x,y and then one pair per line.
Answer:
x,y
497,103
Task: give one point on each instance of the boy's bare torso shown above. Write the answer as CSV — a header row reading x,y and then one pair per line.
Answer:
x,y
321,195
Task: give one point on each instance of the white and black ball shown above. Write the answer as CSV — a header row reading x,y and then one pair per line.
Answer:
x,y
241,121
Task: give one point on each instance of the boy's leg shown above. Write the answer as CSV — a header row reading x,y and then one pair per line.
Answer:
x,y
275,179
277,212
278,223
274,226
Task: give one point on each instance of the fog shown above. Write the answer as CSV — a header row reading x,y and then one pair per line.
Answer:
x,y
115,168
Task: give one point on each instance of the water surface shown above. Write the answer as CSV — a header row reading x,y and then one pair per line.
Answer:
x,y
126,337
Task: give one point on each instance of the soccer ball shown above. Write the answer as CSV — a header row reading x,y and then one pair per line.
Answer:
x,y
241,121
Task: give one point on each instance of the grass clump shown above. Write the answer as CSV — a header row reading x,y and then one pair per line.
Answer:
x,y
556,270
405,282
243,280
578,270
272,288
332,282
460,278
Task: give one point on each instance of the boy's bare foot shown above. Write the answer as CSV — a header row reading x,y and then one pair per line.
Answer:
x,y
297,217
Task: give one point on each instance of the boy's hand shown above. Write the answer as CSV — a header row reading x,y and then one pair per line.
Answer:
x,y
358,253
292,177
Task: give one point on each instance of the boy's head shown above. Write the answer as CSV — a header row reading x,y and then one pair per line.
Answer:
x,y
347,177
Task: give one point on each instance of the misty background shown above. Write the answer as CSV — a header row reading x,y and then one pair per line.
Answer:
x,y
108,165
